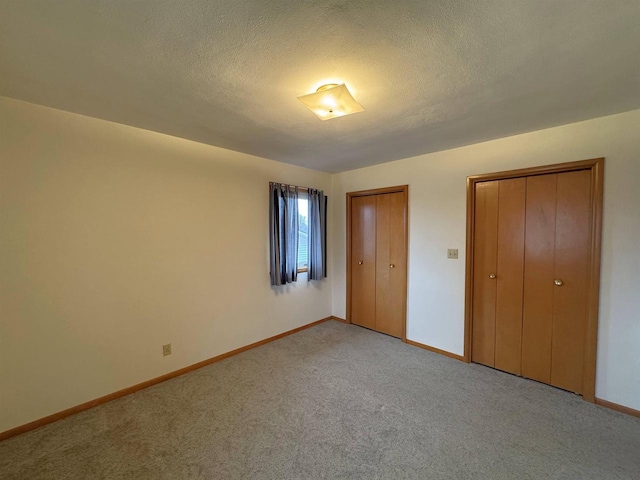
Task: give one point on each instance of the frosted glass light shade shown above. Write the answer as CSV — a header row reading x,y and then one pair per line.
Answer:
x,y
331,101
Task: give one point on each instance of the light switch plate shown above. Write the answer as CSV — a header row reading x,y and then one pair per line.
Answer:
x,y
452,253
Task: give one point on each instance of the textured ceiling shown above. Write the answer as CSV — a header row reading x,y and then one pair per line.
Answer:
x,y
431,75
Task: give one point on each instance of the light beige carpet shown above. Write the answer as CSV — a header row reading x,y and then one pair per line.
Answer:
x,y
336,402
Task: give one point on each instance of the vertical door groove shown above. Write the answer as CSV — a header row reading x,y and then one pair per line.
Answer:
x,y
496,279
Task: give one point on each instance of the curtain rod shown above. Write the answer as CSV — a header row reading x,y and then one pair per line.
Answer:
x,y
298,186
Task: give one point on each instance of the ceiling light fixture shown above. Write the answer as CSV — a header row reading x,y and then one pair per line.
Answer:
x,y
331,101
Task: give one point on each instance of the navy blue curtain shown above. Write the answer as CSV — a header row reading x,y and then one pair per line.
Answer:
x,y
317,235
283,233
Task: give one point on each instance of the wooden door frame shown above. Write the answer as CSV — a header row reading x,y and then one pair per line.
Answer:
x,y
596,167
404,189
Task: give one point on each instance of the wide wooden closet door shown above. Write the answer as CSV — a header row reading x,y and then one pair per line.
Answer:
x,y
378,262
531,260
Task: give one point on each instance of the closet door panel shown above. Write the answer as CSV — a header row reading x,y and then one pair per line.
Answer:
x,y
363,261
537,318
573,229
510,271
390,263
484,265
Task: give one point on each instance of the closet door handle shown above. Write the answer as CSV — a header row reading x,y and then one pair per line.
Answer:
x,y
558,282
360,262
492,275
392,266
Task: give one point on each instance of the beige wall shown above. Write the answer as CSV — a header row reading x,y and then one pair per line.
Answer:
x,y
437,216
116,240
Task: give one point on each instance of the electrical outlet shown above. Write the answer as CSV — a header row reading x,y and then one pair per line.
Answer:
x,y
452,253
166,349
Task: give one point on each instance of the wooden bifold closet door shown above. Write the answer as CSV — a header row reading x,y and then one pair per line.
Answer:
x,y
363,261
377,261
531,276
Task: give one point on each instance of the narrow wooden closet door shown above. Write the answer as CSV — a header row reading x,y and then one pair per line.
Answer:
x,y
537,321
363,261
572,246
510,271
484,273
390,263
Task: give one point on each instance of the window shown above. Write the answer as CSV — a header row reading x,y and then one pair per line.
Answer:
x,y
297,233
303,232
